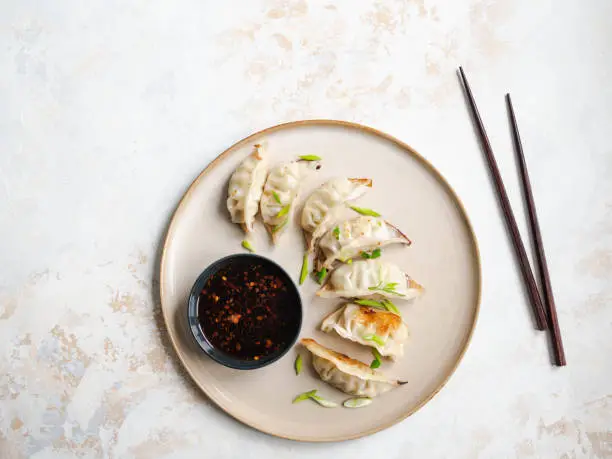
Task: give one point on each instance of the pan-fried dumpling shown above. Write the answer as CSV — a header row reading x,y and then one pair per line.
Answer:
x,y
245,188
322,207
372,327
351,237
370,278
278,199
346,374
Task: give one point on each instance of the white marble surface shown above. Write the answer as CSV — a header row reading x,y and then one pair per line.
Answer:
x,y
108,110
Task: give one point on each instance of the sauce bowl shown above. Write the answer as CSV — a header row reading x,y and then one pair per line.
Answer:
x,y
244,311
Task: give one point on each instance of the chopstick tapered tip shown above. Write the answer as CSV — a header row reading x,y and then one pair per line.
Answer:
x,y
462,77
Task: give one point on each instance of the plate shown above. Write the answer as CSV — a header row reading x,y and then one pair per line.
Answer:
x,y
444,258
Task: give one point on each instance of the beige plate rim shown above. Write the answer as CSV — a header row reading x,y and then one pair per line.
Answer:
x,y
369,130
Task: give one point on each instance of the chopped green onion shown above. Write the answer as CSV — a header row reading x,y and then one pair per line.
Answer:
x,y
304,396
383,304
377,358
284,211
337,233
371,303
389,306
321,275
387,288
298,364
375,254
310,158
375,339
247,245
357,402
280,225
312,395
365,211
323,402
304,271
276,197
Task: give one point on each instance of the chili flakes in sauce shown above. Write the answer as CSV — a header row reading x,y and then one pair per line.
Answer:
x,y
245,308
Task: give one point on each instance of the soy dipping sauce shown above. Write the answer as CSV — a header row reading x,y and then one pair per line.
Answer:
x,y
245,309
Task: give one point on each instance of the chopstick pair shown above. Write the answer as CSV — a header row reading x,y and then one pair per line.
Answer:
x,y
544,309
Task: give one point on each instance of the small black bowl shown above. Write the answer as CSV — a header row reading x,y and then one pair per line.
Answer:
x,y
292,328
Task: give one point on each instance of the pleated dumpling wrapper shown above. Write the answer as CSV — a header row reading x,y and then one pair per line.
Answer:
x,y
372,327
279,196
370,278
346,374
324,205
350,238
245,188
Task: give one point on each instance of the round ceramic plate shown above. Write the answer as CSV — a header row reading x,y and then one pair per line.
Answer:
x,y
443,257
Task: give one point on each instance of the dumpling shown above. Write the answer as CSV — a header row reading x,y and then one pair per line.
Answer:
x,y
370,278
322,207
351,237
372,327
245,188
346,374
279,194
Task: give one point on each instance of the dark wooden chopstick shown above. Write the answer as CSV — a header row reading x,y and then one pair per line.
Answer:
x,y
519,248
534,226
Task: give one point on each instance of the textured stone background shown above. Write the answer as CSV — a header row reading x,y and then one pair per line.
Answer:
x,y
108,110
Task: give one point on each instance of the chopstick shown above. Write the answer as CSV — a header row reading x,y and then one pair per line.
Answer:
x,y
519,248
534,226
